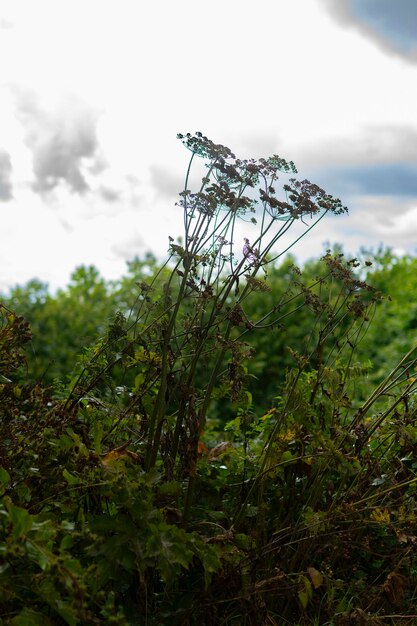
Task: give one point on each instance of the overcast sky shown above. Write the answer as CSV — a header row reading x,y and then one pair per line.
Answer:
x,y
93,93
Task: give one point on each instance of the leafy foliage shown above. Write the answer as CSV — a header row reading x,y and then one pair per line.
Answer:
x,y
219,452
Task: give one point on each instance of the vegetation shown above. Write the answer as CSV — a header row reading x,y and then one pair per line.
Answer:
x,y
235,446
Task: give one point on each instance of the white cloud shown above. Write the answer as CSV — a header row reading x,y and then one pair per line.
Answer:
x,y
5,176
62,139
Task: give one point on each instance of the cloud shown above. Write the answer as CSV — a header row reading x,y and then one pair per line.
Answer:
x,y
256,143
62,139
391,25
386,179
165,182
391,220
371,144
129,247
108,194
373,161
5,176
6,24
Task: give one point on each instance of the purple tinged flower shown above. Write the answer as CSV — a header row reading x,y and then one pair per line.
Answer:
x,y
249,252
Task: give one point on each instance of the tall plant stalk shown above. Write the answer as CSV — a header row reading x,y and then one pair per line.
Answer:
x,y
189,340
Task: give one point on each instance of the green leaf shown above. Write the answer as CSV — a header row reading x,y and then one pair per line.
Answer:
x,y
244,542
210,557
20,519
305,595
70,478
27,617
170,546
40,555
17,391
287,457
66,542
303,598
23,492
4,477
67,613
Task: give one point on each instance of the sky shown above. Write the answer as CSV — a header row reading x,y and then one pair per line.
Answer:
x,y
93,94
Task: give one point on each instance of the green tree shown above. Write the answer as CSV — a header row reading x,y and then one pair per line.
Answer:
x,y
393,329
63,323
